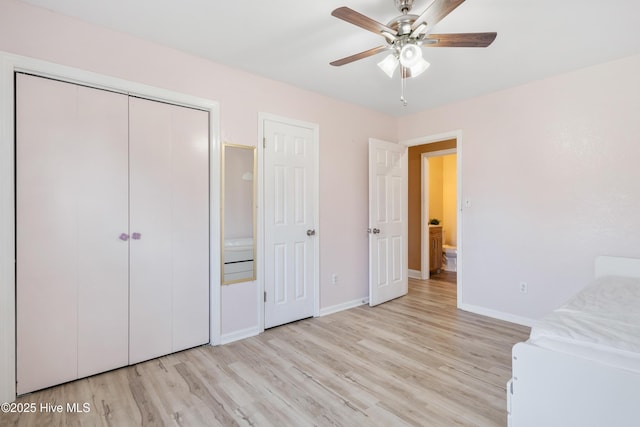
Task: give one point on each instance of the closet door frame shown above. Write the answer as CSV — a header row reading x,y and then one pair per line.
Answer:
x,y
9,65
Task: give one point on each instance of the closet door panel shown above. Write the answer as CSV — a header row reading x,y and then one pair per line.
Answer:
x,y
71,150
45,230
103,258
190,233
169,286
150,195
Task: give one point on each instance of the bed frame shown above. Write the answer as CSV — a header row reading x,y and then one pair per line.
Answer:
x,y
550,388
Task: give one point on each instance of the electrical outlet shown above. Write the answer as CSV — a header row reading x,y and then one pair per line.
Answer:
x,y
523,287
334,278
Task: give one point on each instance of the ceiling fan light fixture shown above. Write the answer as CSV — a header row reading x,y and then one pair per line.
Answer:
x,y
419,68
389,64
410,55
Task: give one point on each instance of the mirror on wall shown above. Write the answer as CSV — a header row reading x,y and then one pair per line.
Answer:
x,y
238,213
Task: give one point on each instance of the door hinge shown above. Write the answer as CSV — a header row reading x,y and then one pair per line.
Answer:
x,y
265,296
264,142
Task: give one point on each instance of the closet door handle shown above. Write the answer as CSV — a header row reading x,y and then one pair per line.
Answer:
x,y
136,236
124,237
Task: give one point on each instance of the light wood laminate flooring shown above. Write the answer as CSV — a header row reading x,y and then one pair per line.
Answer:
x,y
415,361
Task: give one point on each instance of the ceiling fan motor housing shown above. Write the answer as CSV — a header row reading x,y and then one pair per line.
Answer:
x,y
402,24
404,6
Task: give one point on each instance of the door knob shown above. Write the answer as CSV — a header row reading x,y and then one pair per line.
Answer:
x,y
376,231
124,237
311,232
136,236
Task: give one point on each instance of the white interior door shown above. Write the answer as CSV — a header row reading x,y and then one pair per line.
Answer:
x,y
289,218
71,191
169,225
388,182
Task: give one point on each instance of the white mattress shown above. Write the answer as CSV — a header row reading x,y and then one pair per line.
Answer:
x,y
601,322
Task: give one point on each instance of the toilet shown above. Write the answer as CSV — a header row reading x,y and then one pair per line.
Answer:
x,y
449,255
449,258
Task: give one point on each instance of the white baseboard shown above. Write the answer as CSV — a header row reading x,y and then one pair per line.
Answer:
x,y
415,274
508,317
344,306
239,335
253,331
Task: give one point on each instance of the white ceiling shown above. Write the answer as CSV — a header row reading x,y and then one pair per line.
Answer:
x,y
294,40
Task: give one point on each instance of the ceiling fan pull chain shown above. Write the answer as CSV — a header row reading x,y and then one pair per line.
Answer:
x,y
402,85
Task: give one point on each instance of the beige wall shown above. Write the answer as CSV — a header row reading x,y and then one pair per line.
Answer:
x,y
435,189
449,199
415,223
442,195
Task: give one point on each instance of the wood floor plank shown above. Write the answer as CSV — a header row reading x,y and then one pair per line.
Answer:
x,y
413,361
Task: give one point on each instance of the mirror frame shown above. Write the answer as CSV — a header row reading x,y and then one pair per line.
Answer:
x,y
253,149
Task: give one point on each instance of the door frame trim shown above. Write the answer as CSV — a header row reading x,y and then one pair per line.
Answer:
x,y
429,139
11,63
260,289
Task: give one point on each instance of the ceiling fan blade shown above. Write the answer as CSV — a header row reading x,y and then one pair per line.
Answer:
x,y
459,40
361,55
356,18
435,12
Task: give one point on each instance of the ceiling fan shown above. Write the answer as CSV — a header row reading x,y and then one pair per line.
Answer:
x,y
407,34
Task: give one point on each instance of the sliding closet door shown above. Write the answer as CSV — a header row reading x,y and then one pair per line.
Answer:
x,y
71,207
169,223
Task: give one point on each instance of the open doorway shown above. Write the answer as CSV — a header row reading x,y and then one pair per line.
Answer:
x,y
449,228
439,216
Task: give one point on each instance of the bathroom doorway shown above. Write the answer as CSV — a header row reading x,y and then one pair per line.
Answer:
x,y
419,212
439,213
